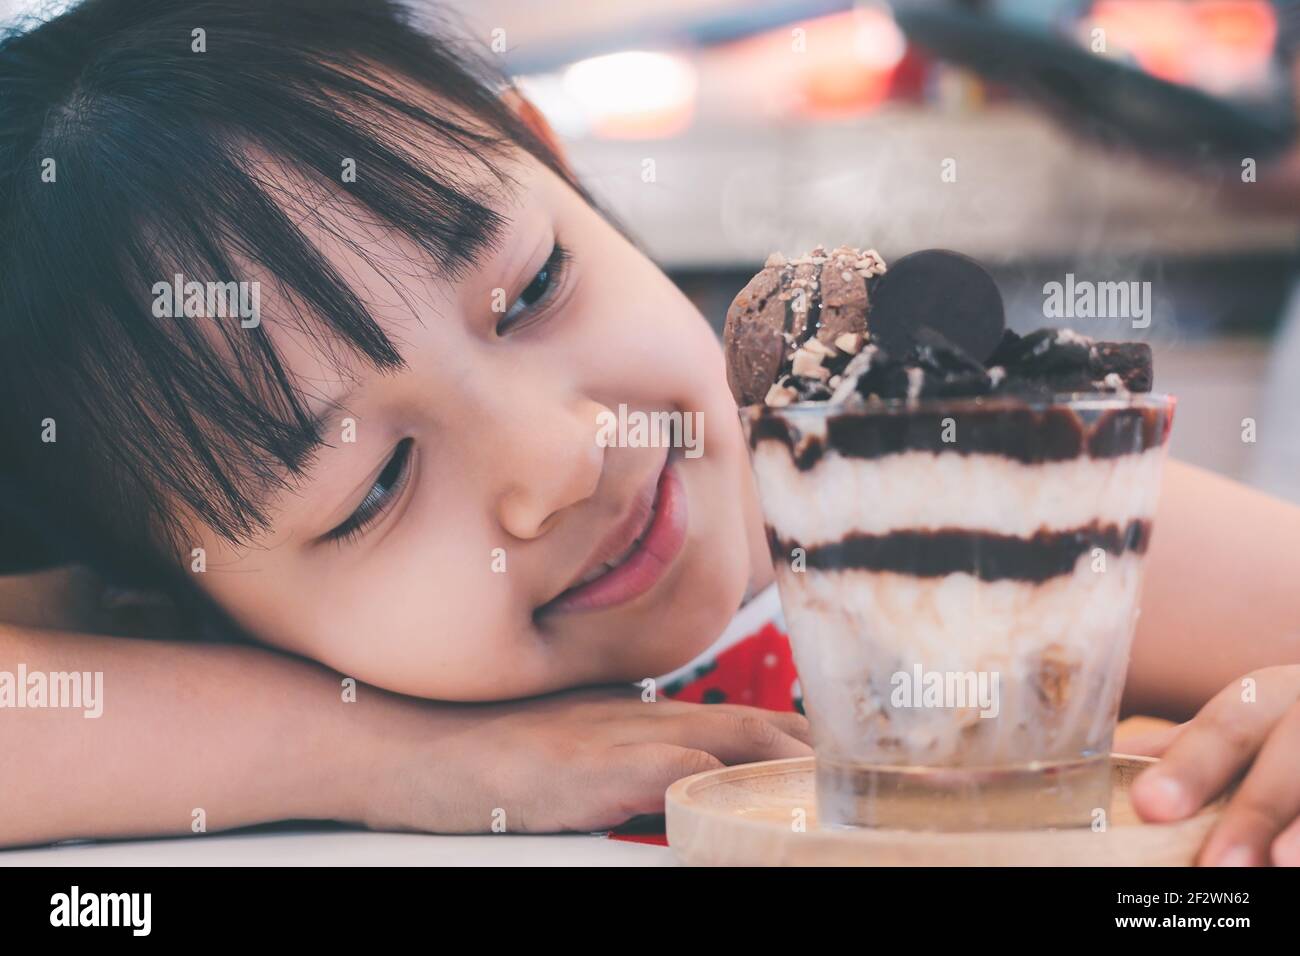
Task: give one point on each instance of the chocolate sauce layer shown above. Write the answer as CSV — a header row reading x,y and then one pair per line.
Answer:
x,y
988,556
1023,434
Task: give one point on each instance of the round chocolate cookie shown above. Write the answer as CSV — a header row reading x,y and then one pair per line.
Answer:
x,y
941,290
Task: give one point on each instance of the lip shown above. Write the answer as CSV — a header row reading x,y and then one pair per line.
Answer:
x,y
643,568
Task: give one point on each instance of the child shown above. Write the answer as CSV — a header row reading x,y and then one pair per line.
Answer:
x,y
380,458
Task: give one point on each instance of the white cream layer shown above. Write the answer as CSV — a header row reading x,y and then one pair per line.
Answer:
x,y
919,490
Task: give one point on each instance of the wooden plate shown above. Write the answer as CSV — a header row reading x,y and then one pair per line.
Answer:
x,y
742,816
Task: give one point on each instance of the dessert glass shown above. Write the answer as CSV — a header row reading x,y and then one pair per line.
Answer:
x,y
960,579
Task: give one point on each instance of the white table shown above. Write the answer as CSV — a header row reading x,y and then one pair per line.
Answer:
x,y
349,848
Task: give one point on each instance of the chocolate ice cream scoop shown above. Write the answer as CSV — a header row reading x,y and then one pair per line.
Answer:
x,y
817,303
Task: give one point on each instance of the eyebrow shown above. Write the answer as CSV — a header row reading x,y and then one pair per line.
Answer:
x,y
323,420
282,479
485,236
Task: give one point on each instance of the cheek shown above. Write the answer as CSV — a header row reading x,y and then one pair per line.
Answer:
x,y
643,337
677,354
431,621
427,619
424,615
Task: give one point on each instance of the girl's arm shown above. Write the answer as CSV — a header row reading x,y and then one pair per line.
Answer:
x,y
250,736
244,735
1221,596
65,598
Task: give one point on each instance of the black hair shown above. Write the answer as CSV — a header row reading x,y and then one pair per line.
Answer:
x,y
125,142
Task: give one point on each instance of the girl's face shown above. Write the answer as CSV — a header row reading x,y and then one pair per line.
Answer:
x,y
437,546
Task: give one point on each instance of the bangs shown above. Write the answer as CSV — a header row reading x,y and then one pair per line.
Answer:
x,y
158,170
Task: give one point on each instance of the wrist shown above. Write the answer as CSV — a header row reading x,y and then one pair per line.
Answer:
x,y
374,754
322,750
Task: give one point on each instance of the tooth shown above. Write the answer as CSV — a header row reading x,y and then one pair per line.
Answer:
x,y
607,566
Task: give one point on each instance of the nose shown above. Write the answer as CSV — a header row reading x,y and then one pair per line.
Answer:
x,y
554,462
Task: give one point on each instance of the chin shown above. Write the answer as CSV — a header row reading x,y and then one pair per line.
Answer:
x,y
700,610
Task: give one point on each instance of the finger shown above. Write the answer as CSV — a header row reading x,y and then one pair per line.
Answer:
x,y
787,721
731,737
1265,804
644,772
1149,743
1216,745
1286,848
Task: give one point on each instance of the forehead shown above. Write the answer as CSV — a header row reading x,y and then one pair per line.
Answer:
x,y
393,276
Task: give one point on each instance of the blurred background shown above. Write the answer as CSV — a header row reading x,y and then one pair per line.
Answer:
x,y
1110,140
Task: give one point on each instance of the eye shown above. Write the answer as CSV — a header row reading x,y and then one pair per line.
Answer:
x,y
380,497
538,291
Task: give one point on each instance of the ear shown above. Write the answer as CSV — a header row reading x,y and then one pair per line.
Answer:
x,y
532,118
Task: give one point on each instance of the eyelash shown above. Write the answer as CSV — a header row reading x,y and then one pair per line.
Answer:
x,y
380,496
554,270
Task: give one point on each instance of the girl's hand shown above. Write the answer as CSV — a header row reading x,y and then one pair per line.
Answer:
x,y
582,760
1252,726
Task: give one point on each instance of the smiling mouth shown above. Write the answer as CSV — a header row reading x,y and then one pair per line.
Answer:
x,y
602,569
640,564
